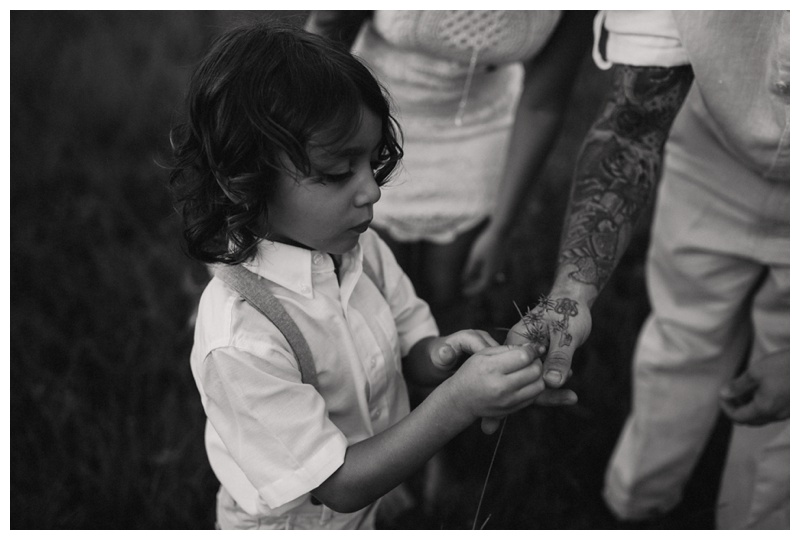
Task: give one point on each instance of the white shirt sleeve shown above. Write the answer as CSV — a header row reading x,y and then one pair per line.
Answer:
x,y
637,38
275,428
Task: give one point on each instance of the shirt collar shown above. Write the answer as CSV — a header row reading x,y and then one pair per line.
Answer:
x,y
292,267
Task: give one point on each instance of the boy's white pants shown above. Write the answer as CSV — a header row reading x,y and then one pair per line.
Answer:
x,y
718,280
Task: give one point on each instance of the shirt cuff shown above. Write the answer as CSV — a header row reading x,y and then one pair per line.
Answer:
x,y
637,38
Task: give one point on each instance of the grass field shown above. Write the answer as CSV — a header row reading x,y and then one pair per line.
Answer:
x,y
106,423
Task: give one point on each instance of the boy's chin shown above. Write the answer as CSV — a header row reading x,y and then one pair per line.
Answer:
x,y
342,247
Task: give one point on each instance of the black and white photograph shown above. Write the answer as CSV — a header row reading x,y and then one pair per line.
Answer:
x,y
500,270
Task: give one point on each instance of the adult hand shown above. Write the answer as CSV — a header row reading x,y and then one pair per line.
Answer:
x,y
559,323
485,262
760,395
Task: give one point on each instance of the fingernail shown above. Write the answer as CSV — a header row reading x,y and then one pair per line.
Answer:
x,y
446,353
552,376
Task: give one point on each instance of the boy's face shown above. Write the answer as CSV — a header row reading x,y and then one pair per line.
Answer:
x,y
328,210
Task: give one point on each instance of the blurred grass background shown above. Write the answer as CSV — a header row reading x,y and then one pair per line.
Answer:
x,y
106,423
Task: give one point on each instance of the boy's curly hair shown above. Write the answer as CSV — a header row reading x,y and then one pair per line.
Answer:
x,y
263,92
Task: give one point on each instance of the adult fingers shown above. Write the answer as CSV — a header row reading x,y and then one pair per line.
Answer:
x,y
476,284
749,413
517,336
473,278
739,390
555,397
558,361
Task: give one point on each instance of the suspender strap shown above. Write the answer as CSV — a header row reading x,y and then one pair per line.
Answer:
x,y
248,285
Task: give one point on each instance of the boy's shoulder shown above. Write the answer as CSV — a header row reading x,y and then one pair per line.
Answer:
x,y
225,319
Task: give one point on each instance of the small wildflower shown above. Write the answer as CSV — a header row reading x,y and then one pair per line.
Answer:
x,y
538,329
546,302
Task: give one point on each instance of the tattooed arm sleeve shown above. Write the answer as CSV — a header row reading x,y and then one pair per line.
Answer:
x,y
617,172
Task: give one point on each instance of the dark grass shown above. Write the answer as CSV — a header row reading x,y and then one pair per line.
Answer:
x,y
106,423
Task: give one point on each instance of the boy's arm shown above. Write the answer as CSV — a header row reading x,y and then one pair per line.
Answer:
x,y
495,382
616,176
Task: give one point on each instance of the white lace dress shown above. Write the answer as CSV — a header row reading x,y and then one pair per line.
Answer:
x,y
454,78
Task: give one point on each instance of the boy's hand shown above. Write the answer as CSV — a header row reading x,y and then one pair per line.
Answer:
x,y
548,397
448,351
497,381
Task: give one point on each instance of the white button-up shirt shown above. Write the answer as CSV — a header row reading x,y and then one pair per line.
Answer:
x,y
270,438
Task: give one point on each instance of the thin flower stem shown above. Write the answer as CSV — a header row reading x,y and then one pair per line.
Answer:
x,y
489,472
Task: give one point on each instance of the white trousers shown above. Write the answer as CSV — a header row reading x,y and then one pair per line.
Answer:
x,y
718,281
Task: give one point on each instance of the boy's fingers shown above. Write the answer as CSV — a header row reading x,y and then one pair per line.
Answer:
x,y
459,345
511,360
468,343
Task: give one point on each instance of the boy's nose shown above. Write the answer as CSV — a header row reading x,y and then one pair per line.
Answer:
x,y
369,192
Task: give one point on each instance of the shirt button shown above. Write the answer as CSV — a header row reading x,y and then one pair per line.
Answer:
x,y
374,361
317,258
376,414
304,289
782,88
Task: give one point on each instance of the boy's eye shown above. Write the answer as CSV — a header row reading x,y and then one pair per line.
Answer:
x,y
337,177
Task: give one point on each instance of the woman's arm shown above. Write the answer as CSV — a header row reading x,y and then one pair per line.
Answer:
x,y
549,78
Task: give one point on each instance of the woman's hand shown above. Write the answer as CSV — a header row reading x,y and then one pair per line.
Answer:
x,y
485,262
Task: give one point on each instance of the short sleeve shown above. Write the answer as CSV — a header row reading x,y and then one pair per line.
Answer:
x,y
274,427
638,38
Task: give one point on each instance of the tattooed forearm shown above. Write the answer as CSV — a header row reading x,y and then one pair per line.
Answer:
x,y
618,168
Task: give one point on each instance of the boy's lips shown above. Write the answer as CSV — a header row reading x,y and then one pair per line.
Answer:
x,y
361,227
